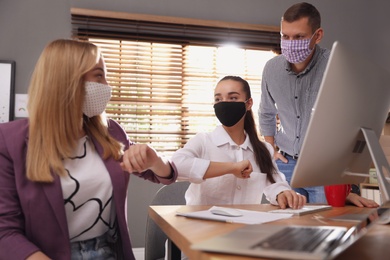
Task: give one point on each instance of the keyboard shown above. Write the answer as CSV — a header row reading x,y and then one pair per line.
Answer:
x,y
302,211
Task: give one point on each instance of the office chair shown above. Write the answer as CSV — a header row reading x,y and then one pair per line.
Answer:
x,y
172,194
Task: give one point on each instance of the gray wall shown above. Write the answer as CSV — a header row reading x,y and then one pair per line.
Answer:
x,y
27,26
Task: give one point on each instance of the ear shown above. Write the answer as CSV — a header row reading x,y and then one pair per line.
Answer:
x,y
320,34
249,104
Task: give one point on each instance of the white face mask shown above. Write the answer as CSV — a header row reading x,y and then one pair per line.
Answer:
x,y
97,96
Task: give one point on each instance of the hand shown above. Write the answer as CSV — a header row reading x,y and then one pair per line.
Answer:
x,y
38,256
279,156
290,198
361,202
243,169
138,158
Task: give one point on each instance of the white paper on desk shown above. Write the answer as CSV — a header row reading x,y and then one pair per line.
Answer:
x,y
248,216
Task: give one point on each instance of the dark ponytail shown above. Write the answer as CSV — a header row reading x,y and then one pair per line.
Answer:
x,y
262,154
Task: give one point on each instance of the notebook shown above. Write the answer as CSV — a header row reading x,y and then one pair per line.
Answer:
x,y
288,241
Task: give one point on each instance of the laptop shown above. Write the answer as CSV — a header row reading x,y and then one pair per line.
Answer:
x,y
291,242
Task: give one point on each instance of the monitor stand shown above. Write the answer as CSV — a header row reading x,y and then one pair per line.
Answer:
x,y
382,172
380,162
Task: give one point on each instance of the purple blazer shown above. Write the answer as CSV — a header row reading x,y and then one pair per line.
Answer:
x,y
32,214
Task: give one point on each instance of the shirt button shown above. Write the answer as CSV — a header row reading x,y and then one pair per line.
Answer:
x,y
238,187
238,148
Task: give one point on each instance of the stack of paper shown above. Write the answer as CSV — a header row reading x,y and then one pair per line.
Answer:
x,y
248,216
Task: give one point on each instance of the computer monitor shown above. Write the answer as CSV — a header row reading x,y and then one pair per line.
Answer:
x,y
342,139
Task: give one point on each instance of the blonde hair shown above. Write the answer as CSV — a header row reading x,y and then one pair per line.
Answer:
x,y
56,96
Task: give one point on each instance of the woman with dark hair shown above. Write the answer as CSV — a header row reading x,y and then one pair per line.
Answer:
x,y
231,165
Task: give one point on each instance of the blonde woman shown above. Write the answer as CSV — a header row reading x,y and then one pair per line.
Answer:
x,y
65,171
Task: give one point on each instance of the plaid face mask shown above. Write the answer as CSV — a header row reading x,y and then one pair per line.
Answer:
x,y
296,51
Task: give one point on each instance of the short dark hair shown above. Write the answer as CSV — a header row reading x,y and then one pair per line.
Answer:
x,y
300,10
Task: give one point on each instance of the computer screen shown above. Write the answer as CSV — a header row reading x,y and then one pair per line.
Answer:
x,y
354,95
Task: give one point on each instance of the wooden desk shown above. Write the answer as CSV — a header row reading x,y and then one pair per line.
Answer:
x,y
185,231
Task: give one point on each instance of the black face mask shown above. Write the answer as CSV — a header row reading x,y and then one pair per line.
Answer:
x,y
229,113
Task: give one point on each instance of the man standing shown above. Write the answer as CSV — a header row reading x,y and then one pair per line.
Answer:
x,y
290,85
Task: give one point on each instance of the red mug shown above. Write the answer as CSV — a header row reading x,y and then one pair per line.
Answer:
x,y
337,194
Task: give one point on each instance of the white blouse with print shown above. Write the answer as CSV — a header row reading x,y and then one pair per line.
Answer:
x,y
87,192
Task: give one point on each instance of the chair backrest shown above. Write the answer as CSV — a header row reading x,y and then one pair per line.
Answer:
x,y
172,194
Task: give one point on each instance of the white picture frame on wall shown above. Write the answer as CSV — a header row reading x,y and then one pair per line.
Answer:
x,y
7,90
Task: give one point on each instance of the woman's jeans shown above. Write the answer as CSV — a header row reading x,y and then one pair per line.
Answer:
x,y
96,248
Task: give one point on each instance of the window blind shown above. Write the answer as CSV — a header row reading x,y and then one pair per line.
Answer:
x,y
163,74
94,23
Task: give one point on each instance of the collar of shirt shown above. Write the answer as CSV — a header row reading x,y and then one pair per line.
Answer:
x,y
221,137
309,66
